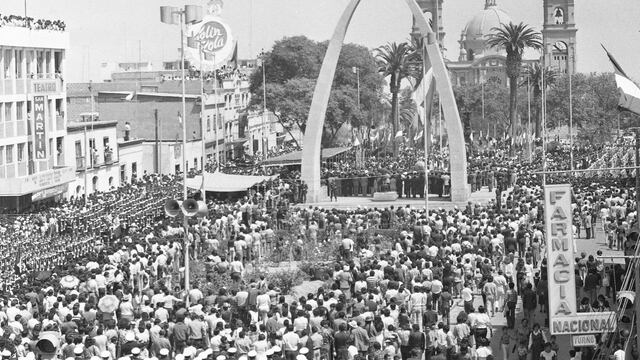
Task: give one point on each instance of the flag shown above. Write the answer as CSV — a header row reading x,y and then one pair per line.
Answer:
x,y
471,136
418,136
356,142
234,57
399,134
191,42
354,69
179,117
131,96
629,91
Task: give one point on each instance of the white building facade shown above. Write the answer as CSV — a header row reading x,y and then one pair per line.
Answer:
x,y
93,153
33,164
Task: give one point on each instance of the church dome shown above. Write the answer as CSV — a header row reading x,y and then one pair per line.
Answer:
x,y
480,27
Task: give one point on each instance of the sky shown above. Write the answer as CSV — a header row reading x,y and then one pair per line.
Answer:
x,y
126,30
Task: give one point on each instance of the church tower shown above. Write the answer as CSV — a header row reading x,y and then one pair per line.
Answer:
x,y
559,35
434,8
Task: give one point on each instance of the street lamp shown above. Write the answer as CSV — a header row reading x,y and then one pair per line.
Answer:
x,y
176,16
264,103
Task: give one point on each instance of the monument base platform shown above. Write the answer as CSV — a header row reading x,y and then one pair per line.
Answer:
x,y
385,196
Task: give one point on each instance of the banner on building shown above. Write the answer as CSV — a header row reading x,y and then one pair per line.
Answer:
x,y
564,318
39,126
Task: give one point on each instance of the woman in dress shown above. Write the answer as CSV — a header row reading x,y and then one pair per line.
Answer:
x,y
537,341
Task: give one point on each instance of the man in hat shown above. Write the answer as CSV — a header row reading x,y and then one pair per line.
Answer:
x,y
164,354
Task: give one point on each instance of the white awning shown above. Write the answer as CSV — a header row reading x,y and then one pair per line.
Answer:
x,y
220,182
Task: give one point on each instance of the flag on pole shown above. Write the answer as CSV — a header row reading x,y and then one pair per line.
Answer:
x,y
418,136
471,137
354,69
629,91
399,134
131,96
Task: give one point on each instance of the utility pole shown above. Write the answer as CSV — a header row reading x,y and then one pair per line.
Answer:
x,y
637,269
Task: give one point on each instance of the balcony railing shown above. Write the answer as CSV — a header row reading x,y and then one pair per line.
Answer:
x,y
59,122
108,158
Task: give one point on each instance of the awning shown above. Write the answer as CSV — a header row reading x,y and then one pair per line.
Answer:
x,y
220,182
295,157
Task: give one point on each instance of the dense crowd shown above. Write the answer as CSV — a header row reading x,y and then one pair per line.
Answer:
x,y
31,23
430,291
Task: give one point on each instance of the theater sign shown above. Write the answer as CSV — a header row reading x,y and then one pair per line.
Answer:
x,y
564,318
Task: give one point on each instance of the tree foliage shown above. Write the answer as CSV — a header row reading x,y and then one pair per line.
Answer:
x,y
594,100
292,67
514,39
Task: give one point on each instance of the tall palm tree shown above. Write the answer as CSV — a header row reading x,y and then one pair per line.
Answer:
x,y
534,73
514,39
394,60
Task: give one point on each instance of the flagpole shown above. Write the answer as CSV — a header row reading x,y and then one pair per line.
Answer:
x,y
217,117
529,118
570,112
426,135
202,127
544,127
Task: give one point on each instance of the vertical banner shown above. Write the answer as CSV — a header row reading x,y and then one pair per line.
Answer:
x,y
39,126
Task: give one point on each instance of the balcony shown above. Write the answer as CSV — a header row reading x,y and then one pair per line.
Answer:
x,y
22,168
59,123
108,158
21,127
8,86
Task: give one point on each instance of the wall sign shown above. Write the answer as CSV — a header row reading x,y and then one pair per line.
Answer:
x,y
39,128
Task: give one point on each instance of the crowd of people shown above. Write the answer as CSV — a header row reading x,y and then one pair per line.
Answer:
x,y
31,23
105,280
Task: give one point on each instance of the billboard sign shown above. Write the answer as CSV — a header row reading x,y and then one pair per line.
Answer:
x,y
564,318
211,36
39,128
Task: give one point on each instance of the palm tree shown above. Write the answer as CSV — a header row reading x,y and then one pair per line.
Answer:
x,y
514,39
534,73
394,60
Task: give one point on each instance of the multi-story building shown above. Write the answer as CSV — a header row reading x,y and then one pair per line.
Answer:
x,y
93,146
151,110
33,164
263,133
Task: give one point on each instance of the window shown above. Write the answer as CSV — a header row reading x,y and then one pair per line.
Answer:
x,y
122,174
18,67
558,16
208,122
9,154
21,152
8,55
134,171
78,149
1,155
195,163
20,110
7,112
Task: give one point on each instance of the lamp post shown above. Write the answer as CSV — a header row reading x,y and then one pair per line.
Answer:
x,y
177,16
264,104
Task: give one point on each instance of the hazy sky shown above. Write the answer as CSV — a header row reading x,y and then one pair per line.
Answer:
x,y
111,30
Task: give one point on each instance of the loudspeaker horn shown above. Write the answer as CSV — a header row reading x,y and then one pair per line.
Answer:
x,y
172,208
189,207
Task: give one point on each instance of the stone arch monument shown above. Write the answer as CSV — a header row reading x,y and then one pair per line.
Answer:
x,y
440,82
